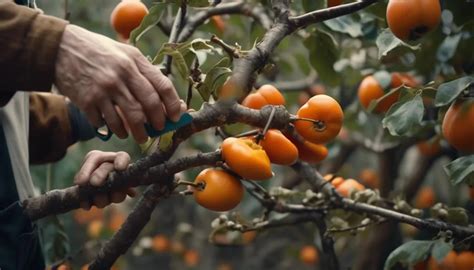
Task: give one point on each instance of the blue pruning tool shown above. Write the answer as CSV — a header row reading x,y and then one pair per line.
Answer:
x,y
185,119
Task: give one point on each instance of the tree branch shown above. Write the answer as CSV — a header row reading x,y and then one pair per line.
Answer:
x,y
258,13
129,231
328,13
143,172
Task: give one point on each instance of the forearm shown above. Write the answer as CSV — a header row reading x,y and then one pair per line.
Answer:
x,y
55,124
29,43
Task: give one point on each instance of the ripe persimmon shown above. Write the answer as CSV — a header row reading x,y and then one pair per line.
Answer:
x,y
254,101
246,158
349,185
425,197
409,20
279,149
160,243
457,125
218,23
429,148
94,229
333,3
370,90
309,152
335,180
449,261
127,15
220,190
191,258
271,94
266,95
464,261
309,255
370,178
325,115
116,220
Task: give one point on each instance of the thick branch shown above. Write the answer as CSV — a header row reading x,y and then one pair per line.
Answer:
x,y
143,172
329,13
132,227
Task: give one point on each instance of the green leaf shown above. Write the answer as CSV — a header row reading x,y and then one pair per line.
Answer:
x,y
440,249
458,216
409,253
447,92
448,48
387,42
323,53
461,170
213,81
150,21
346,25
404,117
183,54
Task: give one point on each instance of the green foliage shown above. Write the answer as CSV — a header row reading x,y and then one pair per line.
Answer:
x,y
149,22
405,117
448,92
461,170
418,250
323,53
387,42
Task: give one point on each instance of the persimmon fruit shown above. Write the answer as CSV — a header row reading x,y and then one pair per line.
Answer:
x,y
326,117
348,186
266,95
457,125
410,19
279,148
127,15
246,158
309,255
220,190
160,243
333,3
425,197
370,178
309,152
370,89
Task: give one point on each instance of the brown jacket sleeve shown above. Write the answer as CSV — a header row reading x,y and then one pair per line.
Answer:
x,y
29,44
50,128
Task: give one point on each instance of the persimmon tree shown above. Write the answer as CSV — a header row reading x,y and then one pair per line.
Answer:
x,y
391,93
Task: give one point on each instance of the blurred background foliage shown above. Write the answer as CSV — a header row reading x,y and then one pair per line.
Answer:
x,y
341,51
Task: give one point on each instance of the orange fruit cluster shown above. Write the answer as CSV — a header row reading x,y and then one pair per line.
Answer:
x,y
409,20
370,89
289,149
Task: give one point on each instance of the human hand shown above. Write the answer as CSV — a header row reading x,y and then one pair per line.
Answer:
x,y
94,171
99,74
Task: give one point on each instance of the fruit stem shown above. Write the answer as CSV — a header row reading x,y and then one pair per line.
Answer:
x,y
320,126
248,133
261,135
192,184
